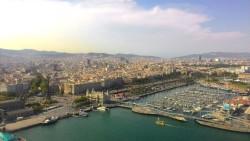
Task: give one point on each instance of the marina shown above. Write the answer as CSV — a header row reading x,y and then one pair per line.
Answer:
x,y
195,102
188,100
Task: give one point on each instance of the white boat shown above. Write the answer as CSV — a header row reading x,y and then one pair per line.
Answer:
x,y
186,111
160,122
50,120
197,109
207,116
102,109
82,113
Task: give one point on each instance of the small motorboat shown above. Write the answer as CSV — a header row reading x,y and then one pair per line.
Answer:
x,y
160,122
50,120
102,109
82,113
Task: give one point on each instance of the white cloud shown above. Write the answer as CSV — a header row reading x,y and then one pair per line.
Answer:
x,y
112,25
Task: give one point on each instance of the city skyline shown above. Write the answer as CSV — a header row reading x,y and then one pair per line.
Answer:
x,y
158,28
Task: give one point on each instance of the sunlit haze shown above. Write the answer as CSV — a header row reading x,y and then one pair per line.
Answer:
x,y
160,28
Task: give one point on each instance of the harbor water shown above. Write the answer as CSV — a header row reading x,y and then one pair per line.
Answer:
x,y
124,125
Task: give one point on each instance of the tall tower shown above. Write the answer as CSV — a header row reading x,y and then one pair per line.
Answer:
x,y
88,62
200,58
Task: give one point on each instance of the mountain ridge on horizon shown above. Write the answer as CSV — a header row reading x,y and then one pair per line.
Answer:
x,y
32,52
219,54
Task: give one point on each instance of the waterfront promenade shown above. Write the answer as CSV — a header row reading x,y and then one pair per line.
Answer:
x,y
61,112
27,123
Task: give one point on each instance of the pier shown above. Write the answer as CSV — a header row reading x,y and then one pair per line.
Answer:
x,y
28,123
24,124
147,110
224,126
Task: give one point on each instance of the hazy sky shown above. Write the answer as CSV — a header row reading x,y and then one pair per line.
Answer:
x,y
150,27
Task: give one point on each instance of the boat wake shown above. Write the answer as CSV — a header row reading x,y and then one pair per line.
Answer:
x,y
169,125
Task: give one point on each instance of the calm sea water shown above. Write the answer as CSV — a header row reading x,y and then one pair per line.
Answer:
x,y
123,125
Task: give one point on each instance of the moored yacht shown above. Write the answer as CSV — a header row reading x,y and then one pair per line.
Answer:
x,y
50,120
102,108
160,122
82,113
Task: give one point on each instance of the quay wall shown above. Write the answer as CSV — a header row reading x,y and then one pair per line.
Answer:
x,y
223,126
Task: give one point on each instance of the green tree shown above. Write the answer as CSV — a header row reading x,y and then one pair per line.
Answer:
x,y
44,86
81,101
39,84
35,84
